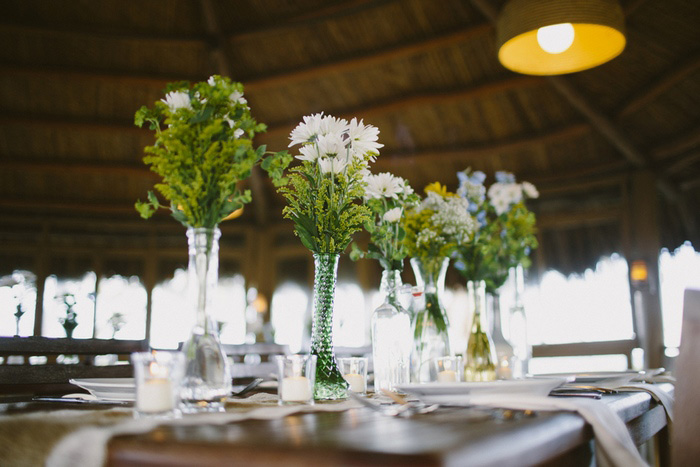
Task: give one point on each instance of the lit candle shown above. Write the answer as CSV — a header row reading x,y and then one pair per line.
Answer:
x,y
296,389
155,395
356,382
447,376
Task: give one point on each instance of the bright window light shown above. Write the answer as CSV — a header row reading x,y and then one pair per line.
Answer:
x,y
289,316
349,316
121,308
22,294
677,271
83,290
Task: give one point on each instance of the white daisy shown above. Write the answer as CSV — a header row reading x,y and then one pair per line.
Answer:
x,y
309,152
393,215
334,165
331,125
236,97
331,145
530,190
363,138
307,131
177,100
383,185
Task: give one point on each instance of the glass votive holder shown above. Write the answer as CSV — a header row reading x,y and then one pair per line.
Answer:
x,y
449,369
354,370
296,375
157,376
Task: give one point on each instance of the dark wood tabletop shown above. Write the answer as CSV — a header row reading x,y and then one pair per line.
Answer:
x,y
360,437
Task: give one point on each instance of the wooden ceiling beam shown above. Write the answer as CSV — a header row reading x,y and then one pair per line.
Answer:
x,y
373,58
64,123
681,163
399,104
87,32
436,155
22,164
569,219
75,74
683,143
660,85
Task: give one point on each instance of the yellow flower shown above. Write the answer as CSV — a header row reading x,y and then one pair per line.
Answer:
x,y
441,190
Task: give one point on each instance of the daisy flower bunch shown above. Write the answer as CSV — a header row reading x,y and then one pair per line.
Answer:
x,y
388,197
323,191
203,148
438,224
505,233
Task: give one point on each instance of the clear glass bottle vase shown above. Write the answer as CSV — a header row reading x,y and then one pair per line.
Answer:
x,y
507,364
480,357
207,380
330,384
518,325
430,326
391,337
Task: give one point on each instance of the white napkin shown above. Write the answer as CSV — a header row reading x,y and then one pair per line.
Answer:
x,y
614,443
87,447
660,396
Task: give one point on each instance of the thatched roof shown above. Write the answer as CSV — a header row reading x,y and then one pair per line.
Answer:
x,y
72,74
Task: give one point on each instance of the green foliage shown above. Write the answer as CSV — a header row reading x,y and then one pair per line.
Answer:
x,y
203,148
502,241
323,206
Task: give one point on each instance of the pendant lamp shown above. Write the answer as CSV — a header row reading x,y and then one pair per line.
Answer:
x,y
552,37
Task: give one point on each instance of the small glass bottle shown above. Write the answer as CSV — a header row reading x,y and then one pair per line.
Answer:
x,y
480,364
391,337
507,366
518,325
429,340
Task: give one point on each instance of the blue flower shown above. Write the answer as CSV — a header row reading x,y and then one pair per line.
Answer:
x,y
505,177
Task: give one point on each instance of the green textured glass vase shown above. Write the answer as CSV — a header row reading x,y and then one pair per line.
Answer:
x,y
330,384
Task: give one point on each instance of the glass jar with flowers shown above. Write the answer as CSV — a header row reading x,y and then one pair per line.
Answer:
x,y
203,148
388,196
433,228
504,237
323,194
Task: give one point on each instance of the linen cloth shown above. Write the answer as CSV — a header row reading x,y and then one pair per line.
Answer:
x,y
79,437
615,447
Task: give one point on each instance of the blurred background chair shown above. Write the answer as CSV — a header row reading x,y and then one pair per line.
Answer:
x,y
42,365
254,360
685,449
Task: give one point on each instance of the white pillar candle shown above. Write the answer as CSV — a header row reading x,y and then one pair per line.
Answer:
x,y
296,389
447,376
356,382
155,395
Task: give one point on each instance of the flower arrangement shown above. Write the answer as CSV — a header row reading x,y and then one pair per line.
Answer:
x,y
506,228
388,197
436,226
204,150
322,192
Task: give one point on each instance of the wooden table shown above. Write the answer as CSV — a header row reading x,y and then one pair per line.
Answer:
x,y
360,437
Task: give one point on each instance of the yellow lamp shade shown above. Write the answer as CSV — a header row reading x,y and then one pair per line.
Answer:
x,y
598,35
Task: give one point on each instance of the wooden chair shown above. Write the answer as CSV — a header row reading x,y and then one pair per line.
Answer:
x,y
254,360
19,376
685,449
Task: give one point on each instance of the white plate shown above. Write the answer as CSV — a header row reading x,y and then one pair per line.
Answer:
x,y
596,376
534,386
114,389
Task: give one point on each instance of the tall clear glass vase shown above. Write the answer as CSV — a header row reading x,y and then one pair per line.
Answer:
x,y
480,357
207,379
430,327
330,384
391,336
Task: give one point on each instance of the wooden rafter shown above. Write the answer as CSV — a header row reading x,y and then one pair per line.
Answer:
x,y
394,52
686,142
22,164
660,85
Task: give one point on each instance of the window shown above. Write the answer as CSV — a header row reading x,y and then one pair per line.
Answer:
x,y
121,308
677,271
290,320
17,292
59,294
